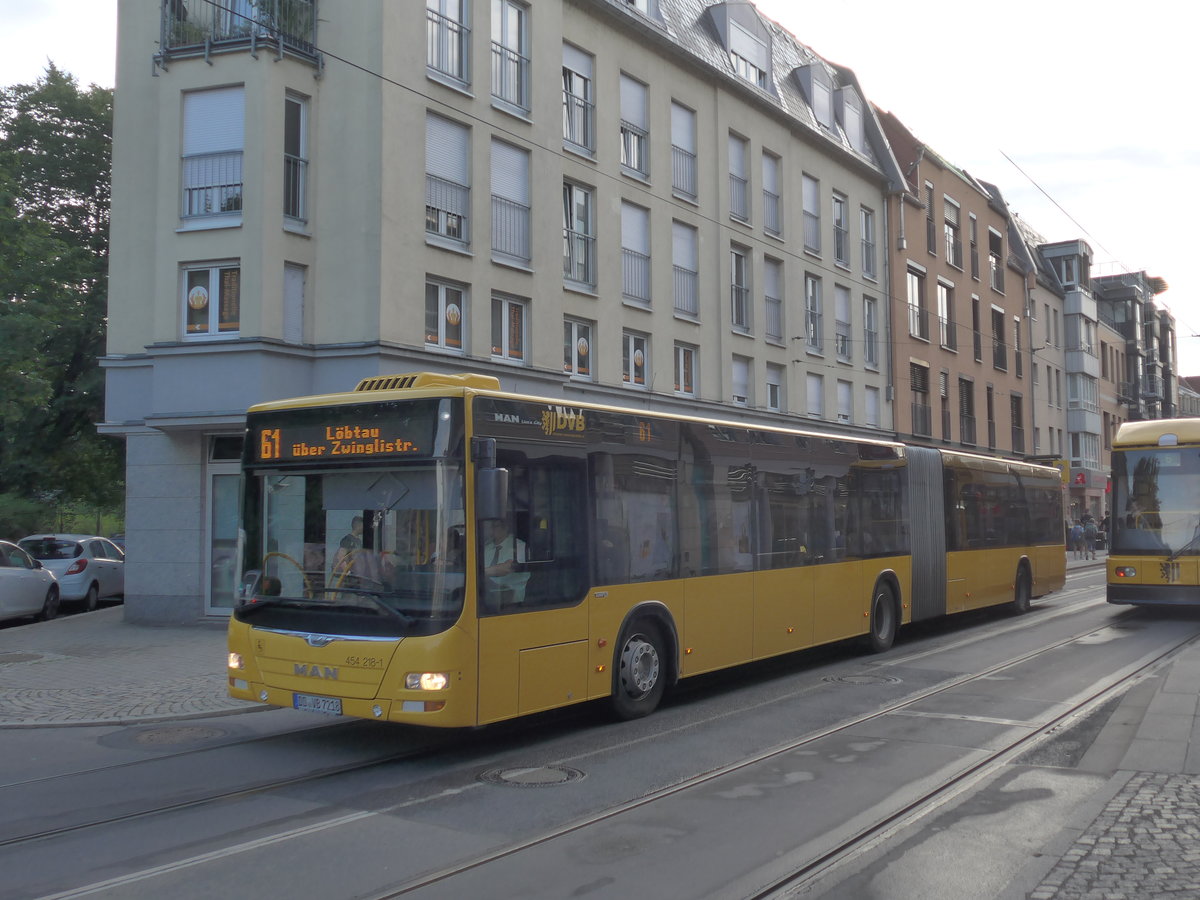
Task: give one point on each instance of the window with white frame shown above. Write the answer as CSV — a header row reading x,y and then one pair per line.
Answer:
x,y
295,157
579,237
772,203
851,114
445,315
683,151
577,349
212,302
739,288
749,55
447,40
776,390
685,370
866,229
871,406
813,313
947,327
815,385
510,55
811,200
635,252
950,228
773,298
685,260
870,331
741,380
579,104
739,178
918,314
447,190
822,96
841,230
213,142
635,128
845,401
510,203
635,359
843,336
509,338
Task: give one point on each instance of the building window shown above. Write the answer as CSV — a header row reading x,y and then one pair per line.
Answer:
x,y
294,278
739,288
922,413
685,265
930,228
976,328
866,225
990,394
850,108
1018,423
871,406
685,370
447,195
973,236
448,49
445,315
683,151
579,240
944,393
871,331
813,314
966,411
635,253
635,125
635,359
510,203
749,55
739,179
508,329
947,329
845,402
996,259
741,381
773,298
295,161
776,392
1018,363
918,314
841,231
577,349
772,206
510,55
213,141
812,213
212,303
843,340
815,390
579,106
999,347
950,229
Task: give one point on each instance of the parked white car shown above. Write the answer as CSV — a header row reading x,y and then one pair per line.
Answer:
x,y
27,588
89,568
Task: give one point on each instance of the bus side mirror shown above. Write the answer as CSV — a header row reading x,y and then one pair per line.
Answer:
x,y
491,493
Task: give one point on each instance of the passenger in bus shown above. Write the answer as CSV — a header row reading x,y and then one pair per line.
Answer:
x,y
502,552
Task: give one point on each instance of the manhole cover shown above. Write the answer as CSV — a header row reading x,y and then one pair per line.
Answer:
x,y
179,734
531,776
861,679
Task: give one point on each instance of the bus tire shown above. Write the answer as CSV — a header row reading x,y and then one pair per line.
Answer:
x,y
884,621
640,677
1022,592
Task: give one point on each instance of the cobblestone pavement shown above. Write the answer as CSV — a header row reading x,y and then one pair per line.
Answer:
x,y
1145,844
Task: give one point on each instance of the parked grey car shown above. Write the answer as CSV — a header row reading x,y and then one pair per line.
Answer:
x,y
89,568
27,588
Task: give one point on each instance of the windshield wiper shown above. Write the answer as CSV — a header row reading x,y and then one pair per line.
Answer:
x,y
374,597
1186,547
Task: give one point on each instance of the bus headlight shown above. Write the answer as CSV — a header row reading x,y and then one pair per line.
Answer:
x,y
426,681
236,661
1125,571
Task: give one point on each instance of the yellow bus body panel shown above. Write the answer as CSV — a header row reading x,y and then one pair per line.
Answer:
x,y
783,611
718,626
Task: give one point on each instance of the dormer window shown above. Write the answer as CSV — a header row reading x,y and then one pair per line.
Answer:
x,y
749,54
818,89
850,115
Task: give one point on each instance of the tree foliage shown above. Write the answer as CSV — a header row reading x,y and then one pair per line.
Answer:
x,y
55,155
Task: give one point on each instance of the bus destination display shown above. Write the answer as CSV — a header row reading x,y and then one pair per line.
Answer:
x,y
342,441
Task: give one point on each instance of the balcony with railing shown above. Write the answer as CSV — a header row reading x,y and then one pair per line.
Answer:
x,y
510,77
774,323
447,209
812,231
202,28
997,267
687,291
868,258
954,250
295,187
991,434
841,245
871,347
1000,355
635,149
510,230
579,122
947,333
922,419
918,321
448,47
635,275
1018,439
683,172
772,214
579,258
212,184
842,341
739,198
966,430
739,306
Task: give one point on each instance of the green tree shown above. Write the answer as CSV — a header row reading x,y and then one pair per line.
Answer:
x,y
55,154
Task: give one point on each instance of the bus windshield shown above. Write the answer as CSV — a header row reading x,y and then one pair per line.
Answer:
x,y
1156,501
377,543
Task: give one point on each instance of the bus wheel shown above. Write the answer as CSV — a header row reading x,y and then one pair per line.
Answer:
x,y
1022,592
883,620
639,680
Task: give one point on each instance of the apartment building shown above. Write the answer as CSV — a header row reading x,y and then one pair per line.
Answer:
x,y
655,202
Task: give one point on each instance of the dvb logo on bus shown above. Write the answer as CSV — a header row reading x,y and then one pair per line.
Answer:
x,y
560,419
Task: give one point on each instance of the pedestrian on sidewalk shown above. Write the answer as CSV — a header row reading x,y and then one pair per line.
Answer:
x,y
1090,533
1076,541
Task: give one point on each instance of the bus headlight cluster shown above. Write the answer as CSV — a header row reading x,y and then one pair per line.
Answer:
x,y
1125,571
236,661
426,681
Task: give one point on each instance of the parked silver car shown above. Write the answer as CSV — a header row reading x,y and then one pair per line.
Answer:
x,y
89,568
27,588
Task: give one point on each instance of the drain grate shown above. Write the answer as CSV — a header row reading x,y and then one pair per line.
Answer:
x,y
861,679
531,776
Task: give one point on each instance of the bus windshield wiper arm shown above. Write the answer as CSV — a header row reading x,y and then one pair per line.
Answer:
x,y
1186,547
374,597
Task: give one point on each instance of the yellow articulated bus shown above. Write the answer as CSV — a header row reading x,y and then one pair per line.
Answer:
x,y
428,549
1154,520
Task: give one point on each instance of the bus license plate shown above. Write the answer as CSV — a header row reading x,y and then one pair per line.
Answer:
x,y
330,706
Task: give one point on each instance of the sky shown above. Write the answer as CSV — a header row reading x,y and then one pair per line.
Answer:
x,y
1073,110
